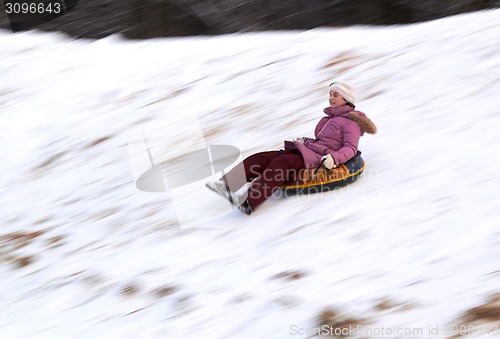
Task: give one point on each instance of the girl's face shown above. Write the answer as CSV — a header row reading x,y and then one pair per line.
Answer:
x,y
336,100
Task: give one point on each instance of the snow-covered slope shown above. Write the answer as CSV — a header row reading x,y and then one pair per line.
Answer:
x,y
411,246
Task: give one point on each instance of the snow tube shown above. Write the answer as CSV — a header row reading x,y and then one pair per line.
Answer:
x,y
327,180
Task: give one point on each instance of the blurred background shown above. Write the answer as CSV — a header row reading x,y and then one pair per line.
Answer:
x,y
140,19
412,245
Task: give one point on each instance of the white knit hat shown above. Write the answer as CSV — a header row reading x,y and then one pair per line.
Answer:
x,y
345,90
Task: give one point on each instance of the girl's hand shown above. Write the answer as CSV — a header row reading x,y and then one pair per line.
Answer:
x,y
301,140
328,161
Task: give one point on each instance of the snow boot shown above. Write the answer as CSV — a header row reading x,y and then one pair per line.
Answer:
x,y
246,208
239,201
220,188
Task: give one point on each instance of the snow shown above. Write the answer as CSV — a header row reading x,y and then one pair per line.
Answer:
x,y
84,253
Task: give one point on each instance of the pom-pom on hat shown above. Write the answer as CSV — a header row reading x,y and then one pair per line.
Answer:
x,y
345,90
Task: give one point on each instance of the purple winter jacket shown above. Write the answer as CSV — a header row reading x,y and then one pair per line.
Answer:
x,y
336,134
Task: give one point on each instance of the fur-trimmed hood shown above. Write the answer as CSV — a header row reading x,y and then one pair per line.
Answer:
x,y
366,125
363,121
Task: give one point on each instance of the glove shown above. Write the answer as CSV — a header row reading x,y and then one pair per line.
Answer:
x,y
328,161
301,140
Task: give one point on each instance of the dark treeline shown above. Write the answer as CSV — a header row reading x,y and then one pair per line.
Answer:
x,y
138,19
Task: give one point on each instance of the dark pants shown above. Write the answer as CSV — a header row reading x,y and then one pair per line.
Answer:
x,y
270,170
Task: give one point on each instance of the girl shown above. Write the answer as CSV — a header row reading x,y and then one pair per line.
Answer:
x,y
336,141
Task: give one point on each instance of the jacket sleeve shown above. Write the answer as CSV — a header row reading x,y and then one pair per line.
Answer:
x,y
349,147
